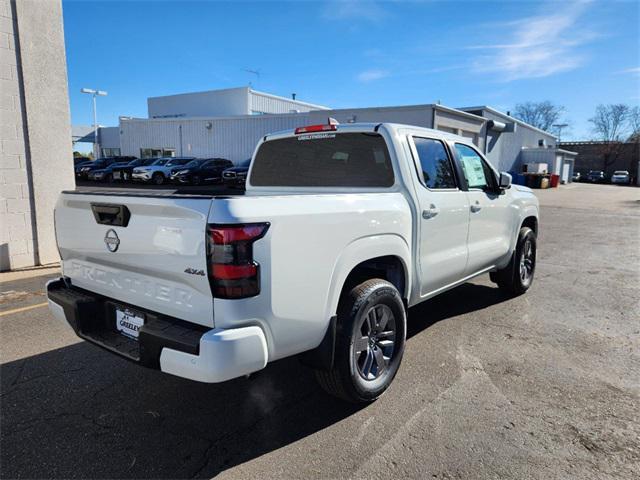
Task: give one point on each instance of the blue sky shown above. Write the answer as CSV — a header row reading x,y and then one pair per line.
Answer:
x,y
357,53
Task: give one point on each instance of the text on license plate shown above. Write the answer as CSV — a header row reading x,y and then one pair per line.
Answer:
x,y
128,323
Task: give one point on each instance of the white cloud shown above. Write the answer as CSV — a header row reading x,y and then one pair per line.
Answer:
x,y
633,70
369,10
372,75
537,46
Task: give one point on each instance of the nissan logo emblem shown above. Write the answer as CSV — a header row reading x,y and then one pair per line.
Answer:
x,y
111,240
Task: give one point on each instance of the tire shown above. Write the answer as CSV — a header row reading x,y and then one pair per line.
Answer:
x,y
372,318
517,277
157,178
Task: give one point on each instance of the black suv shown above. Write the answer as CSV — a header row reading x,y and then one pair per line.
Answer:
x,y
236,176
82,170
201,170
595,176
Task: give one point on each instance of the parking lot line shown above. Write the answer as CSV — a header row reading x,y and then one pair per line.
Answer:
x,y
22,309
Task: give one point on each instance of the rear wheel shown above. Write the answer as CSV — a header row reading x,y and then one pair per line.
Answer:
x,y
370,340
517,276
157,178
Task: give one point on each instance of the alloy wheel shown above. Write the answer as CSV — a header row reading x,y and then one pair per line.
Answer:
x,y
374,344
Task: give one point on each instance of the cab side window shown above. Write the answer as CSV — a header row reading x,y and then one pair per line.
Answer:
x,y
437,170
476,171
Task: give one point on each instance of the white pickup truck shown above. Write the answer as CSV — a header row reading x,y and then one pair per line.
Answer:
x,y
341,230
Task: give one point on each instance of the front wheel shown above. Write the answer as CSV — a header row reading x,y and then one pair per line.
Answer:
x,y
157,178
370,340
517,276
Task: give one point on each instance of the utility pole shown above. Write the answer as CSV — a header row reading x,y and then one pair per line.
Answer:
x,y
95,93
560,126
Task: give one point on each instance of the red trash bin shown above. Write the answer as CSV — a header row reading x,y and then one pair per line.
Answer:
x,y
555,180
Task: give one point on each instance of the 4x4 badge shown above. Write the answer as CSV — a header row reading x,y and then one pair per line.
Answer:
x,y
111,240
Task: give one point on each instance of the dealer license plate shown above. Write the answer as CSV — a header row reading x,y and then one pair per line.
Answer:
x,y
129,323
116,175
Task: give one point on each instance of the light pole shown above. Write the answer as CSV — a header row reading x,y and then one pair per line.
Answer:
x,y
560,126
94,94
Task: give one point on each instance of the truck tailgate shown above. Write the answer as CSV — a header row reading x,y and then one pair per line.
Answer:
x,y
146,251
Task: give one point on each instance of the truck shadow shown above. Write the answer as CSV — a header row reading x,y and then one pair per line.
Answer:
x,y
80,412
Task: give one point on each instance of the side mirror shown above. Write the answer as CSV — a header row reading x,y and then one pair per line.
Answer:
x,y
505,180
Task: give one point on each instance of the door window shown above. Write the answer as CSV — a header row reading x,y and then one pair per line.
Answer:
x,y
476,171
437,171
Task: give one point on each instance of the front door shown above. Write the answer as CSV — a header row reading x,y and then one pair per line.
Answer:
x,y
490,217
443,216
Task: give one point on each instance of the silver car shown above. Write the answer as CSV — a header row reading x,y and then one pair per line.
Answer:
x,y
620,176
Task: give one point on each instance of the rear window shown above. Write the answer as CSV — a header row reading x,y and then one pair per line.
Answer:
x,y
324,160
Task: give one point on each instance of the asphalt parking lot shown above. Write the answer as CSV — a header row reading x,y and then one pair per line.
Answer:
x,y
546,385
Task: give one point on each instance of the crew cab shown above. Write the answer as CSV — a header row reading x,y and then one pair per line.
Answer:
x,y
341,230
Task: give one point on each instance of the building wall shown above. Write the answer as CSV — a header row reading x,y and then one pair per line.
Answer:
x,y
265,103
215,103
109,137
591,156
34,91
419,115
223,103
232,138
503,148
235,138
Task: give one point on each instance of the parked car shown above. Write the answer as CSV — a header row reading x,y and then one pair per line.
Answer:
x,y
160,170
79,160
106,174
123,172
83,170
384,216
577,177
236,176
620,177
199,171
595,176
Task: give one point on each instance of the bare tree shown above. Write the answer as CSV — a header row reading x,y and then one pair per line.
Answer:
x,y
541,115
634,125
609,125
610,121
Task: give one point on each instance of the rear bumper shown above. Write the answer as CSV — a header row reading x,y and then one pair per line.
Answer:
x,y
171,345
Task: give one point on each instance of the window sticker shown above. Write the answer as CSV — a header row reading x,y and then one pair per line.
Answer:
x,y
474,172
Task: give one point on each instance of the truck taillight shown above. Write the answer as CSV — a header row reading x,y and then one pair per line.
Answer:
x,y
233,273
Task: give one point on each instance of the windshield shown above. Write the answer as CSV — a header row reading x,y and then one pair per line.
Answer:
x,y
621,172
178,161
324,160
160,161
194,163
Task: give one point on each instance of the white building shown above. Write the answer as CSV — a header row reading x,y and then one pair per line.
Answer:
x,y
228,102
228,123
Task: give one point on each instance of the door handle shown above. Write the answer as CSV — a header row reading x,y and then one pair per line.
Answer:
x,y
430,212
476,208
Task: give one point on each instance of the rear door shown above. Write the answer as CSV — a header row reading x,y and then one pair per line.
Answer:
x,y
443,215
490,217
148,252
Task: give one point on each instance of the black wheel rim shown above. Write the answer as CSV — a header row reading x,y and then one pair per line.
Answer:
x,y
527,262
374,343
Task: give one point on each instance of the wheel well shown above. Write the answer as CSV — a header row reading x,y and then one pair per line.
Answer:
x,y
532,223
389,268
